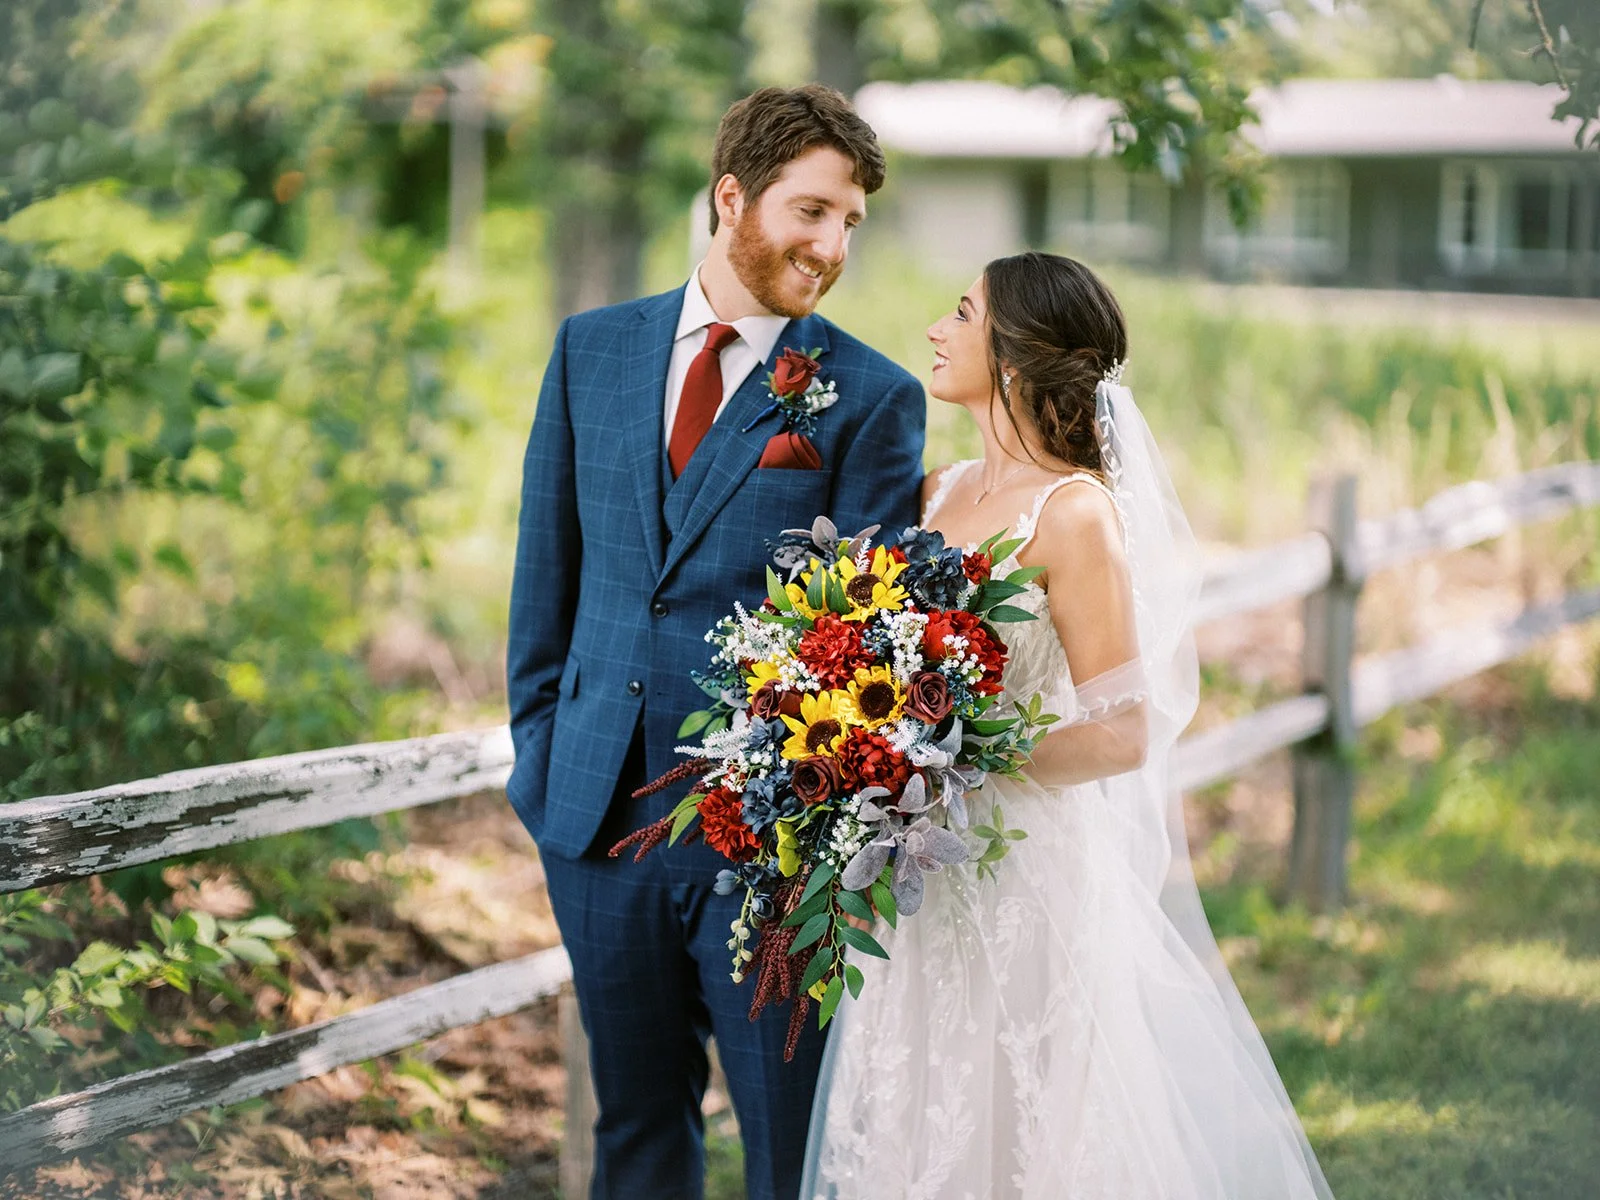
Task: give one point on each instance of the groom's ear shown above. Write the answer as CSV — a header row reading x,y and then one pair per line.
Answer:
x,y
728,197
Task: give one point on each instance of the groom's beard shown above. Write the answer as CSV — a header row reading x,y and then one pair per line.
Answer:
x,y
761,266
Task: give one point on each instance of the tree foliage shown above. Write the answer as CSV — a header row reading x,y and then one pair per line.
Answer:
x,y
1568,47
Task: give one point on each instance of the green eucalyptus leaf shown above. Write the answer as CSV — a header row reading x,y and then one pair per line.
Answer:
x,y
863,942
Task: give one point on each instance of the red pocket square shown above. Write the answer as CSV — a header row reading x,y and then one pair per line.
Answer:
x,y
791,450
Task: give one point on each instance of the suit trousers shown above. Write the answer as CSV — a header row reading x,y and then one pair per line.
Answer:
x,y
651,968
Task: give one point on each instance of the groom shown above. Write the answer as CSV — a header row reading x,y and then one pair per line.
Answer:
x,y
656,472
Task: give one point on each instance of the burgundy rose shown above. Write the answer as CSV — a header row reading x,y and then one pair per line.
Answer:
x,y
815,779
771,702
977,567
794,373
928,697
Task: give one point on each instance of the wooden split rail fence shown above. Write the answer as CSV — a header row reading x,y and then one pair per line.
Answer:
x,y
57,838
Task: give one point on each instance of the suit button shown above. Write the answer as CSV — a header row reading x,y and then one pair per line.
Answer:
x,y
659,608
635,687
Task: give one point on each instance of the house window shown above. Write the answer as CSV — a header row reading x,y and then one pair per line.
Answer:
x,y
1302,228
1519,218
1101,208
1468,203
1534,216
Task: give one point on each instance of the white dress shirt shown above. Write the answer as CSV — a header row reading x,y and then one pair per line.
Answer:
x,y
757,336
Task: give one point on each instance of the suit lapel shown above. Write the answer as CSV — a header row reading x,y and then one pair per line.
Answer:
x,y
733,445
647,353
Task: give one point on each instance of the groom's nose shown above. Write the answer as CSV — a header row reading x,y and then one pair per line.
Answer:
x,y
832,243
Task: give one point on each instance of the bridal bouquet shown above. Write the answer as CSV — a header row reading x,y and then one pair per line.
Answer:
x,y
846,727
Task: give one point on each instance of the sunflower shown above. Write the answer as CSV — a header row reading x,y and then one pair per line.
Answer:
x,y
761,671
797,594
822,725
872,589
873,698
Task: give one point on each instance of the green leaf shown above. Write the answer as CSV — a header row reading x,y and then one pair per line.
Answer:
x,y
695,722
988,543
13,374
54,376
105,994
830,1001
776,594
820,878
1008,613
811,931
816,590
992,728
853,979
987,833
683,818
837,601
863,942
269,927
1024,575
1005,549
184,927
855,904
205,928
97,958
997,590
883,900
1015,835
252,950
818,967
805,911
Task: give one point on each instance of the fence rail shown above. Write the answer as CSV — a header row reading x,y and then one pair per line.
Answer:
x,y
56,838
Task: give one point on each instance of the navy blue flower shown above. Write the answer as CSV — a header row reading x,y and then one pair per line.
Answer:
x,y
766,735
936,580
920,545
765,802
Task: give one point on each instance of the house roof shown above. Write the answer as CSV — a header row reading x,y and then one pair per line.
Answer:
x,y
1300,118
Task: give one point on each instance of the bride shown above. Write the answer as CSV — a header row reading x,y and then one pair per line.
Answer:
x,y
1068,1032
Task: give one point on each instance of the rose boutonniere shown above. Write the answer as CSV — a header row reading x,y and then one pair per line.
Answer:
x,y
796,392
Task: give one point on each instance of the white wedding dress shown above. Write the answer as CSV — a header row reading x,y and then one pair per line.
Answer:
x,y
1068,1031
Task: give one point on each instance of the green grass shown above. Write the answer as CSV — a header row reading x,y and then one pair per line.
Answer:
x,y
1439,1036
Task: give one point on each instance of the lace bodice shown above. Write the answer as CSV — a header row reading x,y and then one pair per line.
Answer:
x,y
1037,663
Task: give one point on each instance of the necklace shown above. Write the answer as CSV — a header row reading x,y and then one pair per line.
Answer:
x,y
984,494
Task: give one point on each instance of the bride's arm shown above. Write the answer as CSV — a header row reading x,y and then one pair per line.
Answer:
x,y
1079,544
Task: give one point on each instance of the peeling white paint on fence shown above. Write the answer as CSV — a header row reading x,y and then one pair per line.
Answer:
x,y
65,1125
62,837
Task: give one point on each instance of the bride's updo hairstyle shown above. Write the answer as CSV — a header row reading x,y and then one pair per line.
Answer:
x,y
1058,329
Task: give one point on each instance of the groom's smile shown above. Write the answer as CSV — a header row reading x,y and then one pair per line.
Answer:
x,y
789,246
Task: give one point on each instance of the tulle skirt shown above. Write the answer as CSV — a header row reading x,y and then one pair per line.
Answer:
x,y
1056,1033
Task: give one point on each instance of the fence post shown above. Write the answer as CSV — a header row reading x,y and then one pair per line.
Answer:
x,y
577,1139
1324,775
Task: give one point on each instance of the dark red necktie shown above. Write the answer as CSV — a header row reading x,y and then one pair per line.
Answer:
x,y
702,396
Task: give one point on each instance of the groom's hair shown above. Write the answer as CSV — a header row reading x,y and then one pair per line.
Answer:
x,y
771,128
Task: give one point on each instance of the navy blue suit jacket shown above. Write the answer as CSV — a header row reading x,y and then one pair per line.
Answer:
x,y
620,572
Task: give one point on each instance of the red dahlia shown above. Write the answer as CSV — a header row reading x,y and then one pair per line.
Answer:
x,y
869,760
832,651
722,825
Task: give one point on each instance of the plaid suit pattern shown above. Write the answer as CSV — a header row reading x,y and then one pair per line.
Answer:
x,y
619,574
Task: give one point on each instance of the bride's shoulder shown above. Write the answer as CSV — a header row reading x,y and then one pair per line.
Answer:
x,y
1078,517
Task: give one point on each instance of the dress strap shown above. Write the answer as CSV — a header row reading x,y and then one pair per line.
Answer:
x,y
1028,522
946,482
